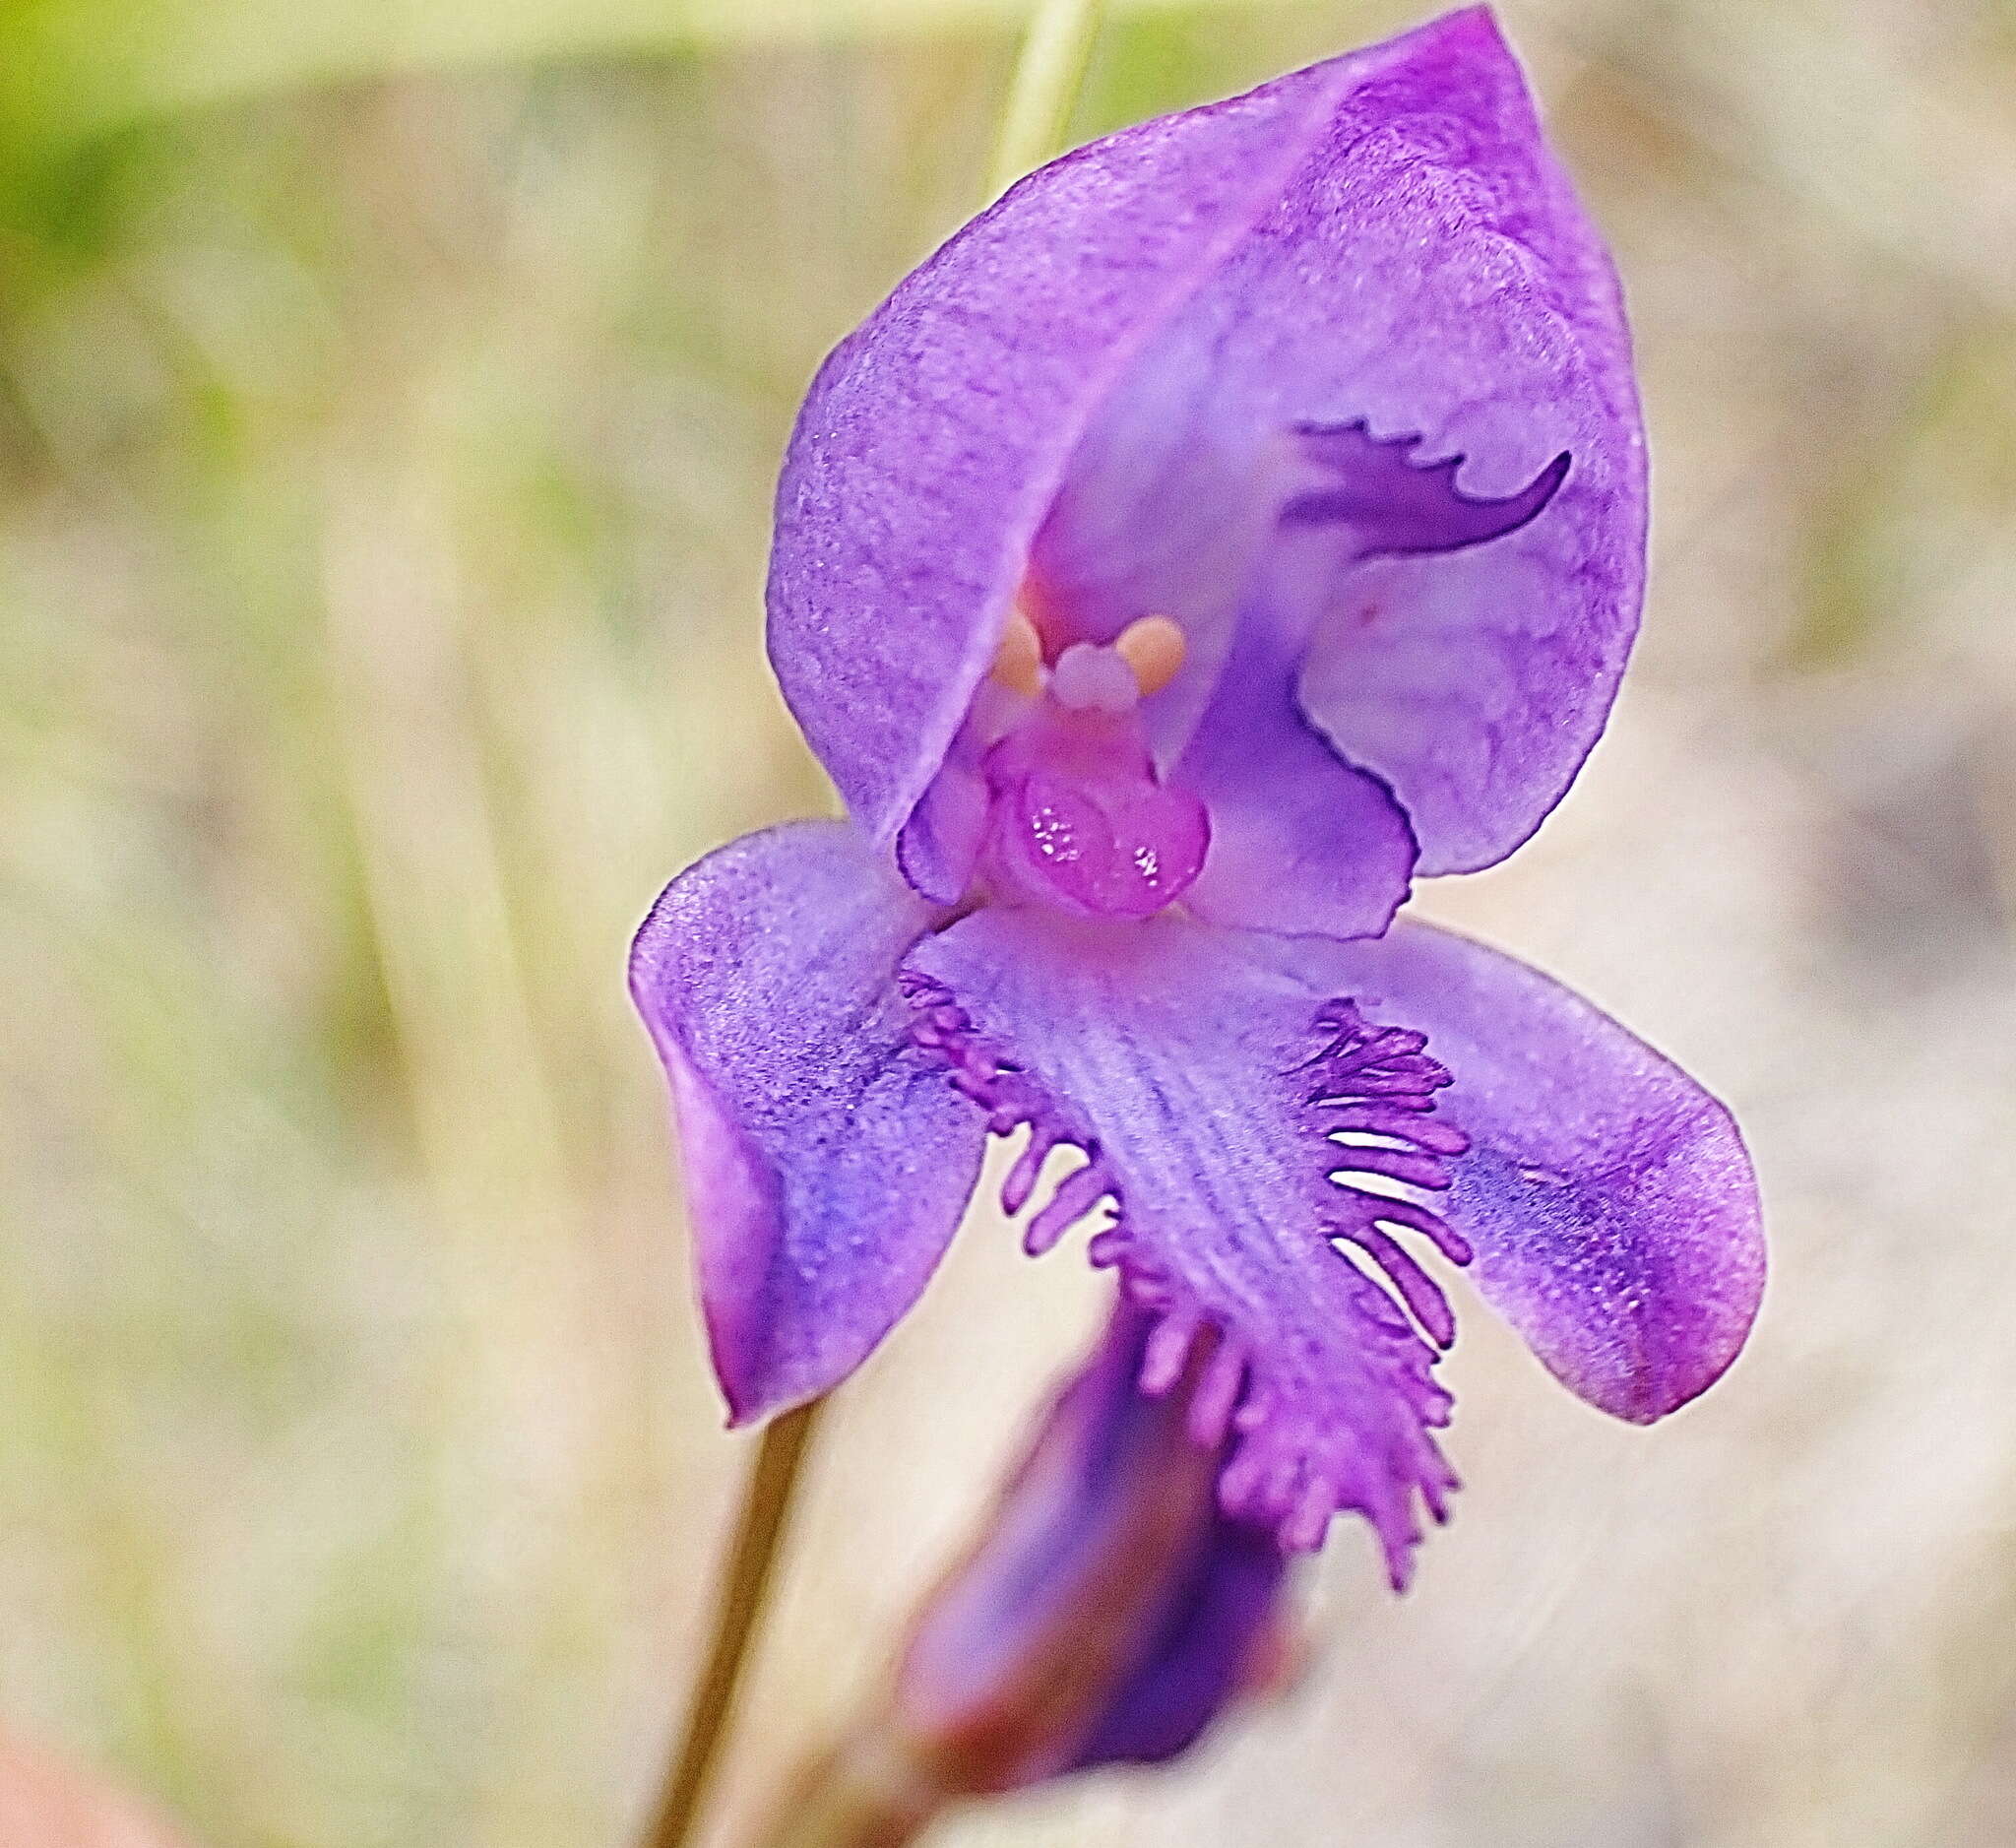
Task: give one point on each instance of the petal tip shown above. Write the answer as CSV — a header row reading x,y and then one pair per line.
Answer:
x,y
1472,28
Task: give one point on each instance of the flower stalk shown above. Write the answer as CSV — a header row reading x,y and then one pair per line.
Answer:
x,y
866,1792
768,1497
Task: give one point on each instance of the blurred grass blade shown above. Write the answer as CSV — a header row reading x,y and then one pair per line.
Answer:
x,y
1047,79
79,67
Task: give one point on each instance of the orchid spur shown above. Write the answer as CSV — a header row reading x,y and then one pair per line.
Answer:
x,y
1242,518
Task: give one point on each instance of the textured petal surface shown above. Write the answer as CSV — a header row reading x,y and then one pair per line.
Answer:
x,y
1202,1071
1427,278
1608,1197
826,1162
1109,1609
935,436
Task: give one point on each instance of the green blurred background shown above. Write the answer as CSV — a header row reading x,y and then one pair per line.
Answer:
x,y
389,404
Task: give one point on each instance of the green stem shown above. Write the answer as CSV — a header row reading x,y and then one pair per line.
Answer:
x,y
866,1792
1044,89
767,1500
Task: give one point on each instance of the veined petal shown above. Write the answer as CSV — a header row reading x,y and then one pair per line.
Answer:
x,y
1203,1072
1608,1197
1425,278
935,436
827,1162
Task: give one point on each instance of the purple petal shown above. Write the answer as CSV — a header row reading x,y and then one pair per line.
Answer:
x,y
1608,1197
827,1162
1108,1611
1300,840
1426,270
935,436
1202,1070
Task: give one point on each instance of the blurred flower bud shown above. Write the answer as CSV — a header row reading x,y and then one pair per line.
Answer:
x,y
1106,1613
1109,1609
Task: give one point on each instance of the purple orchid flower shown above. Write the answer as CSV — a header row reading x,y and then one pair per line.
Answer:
x,y
1244,516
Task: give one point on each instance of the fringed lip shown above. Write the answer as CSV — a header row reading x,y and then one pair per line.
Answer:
x,y
1234,1301
1263,1118
1250,1109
